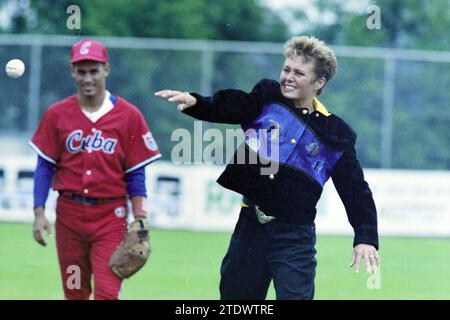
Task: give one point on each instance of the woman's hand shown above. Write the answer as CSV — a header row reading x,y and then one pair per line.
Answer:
x,y
184,99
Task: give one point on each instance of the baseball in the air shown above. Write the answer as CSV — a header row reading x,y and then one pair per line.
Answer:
x,y
15,68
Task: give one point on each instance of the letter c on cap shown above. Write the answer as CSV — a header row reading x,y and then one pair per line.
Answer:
x,y
85,47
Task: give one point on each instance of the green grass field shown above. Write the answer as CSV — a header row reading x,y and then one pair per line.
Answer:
x,y
185,265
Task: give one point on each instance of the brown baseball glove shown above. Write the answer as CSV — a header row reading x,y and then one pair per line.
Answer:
x,y
133,252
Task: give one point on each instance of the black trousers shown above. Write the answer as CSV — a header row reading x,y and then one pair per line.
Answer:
x,y
258,253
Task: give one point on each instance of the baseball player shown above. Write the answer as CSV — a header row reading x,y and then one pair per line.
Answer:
x,y
92,148
275,238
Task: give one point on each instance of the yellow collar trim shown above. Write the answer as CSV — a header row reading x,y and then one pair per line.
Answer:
x,y
319,107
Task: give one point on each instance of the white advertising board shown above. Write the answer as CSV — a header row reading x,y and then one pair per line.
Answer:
x,y
409,203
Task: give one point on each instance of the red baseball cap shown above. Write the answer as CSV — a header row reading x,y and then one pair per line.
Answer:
x,y
89,50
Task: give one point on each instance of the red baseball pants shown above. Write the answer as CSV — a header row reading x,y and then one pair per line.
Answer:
x,y
86,237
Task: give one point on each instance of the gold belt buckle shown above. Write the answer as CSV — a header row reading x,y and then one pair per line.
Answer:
x,y
262,217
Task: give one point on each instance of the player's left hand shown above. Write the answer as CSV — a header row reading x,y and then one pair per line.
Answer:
x,y
131,255
184,99
370,256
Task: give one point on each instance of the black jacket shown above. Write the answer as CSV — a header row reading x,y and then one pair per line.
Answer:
x,y
291,195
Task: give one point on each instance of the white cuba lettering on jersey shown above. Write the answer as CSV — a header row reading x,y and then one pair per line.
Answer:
x,y
149,141
85,47
75,142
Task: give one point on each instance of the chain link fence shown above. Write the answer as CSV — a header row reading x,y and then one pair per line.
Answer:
x,y
396,100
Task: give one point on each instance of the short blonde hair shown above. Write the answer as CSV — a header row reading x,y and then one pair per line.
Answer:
x,y
312,49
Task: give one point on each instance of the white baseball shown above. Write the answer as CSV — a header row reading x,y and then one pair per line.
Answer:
x,y
15,68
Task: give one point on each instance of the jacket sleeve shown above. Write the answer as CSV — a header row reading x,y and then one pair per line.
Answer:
x,y
231,106
356,196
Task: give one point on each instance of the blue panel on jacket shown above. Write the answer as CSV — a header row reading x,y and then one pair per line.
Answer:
x,y
280,135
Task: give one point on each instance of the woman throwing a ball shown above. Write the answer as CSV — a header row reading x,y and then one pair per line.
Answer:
x,y
275,238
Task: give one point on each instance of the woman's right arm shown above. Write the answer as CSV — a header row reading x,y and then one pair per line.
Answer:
x,y
225,106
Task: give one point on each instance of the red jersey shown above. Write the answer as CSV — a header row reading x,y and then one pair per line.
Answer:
x,y
92,158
